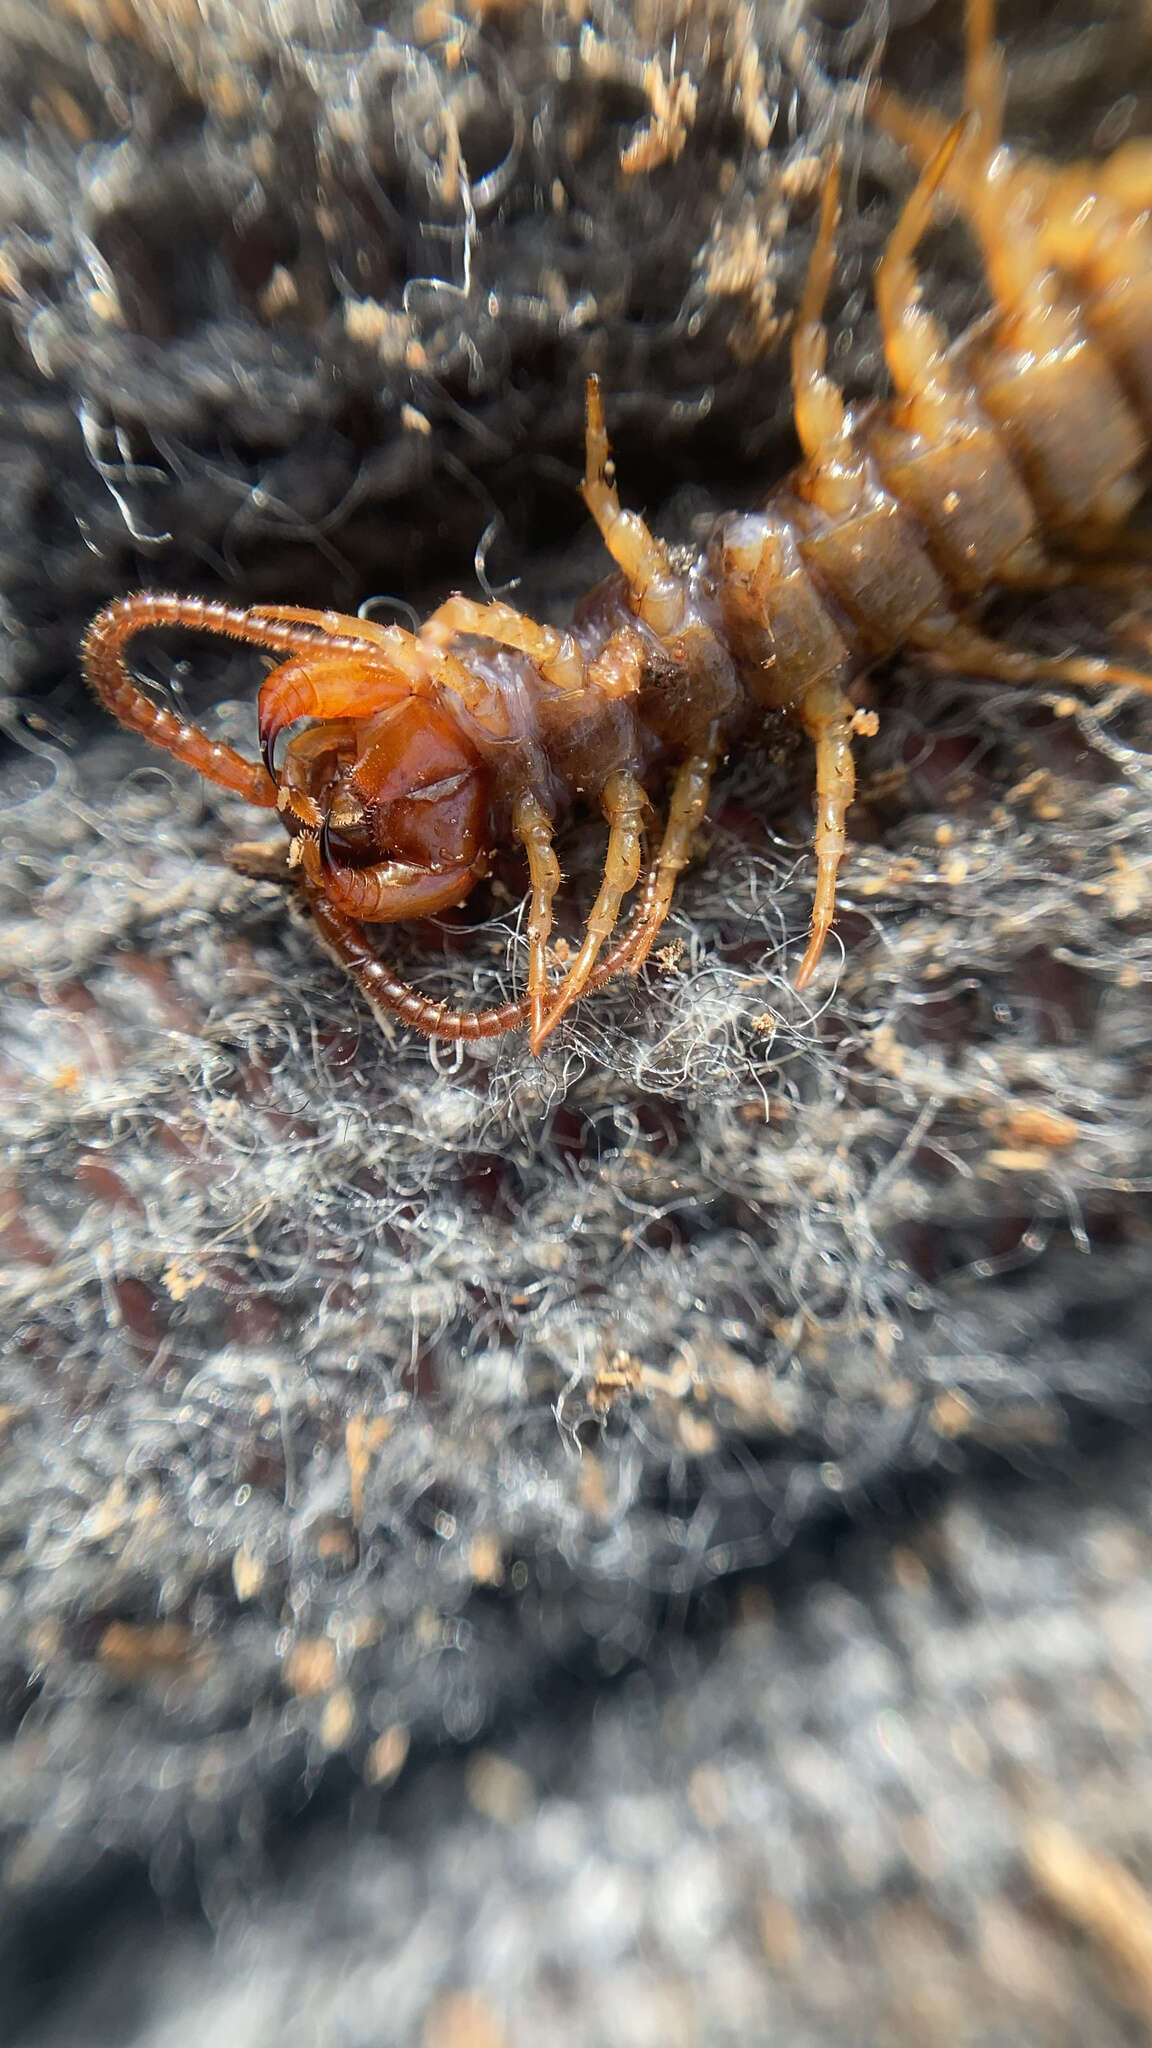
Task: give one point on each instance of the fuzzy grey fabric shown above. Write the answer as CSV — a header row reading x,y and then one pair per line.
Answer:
x,y
855,1812
405,1455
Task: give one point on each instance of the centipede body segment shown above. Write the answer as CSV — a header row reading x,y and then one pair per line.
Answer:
x,y
1009,459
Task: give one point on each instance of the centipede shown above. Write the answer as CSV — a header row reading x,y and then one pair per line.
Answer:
x,y
1009,459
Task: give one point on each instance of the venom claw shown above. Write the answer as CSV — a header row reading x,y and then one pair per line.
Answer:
x,y
268,737
326,860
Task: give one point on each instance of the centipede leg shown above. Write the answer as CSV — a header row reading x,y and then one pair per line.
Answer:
x,y
973,654
827,474
621,664
915,345
534,830
1132,579
390,890
827,717
984,74
625,802
556,655
829,477
325,686
657,591
921,132
616,671
686,809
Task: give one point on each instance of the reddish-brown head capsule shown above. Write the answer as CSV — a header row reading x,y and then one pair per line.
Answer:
x,y
402,830
421,788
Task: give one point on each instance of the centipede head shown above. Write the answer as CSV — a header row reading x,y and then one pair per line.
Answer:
x,y
390,812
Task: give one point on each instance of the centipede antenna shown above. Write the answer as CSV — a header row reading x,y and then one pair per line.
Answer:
x,y
107,672
388,994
